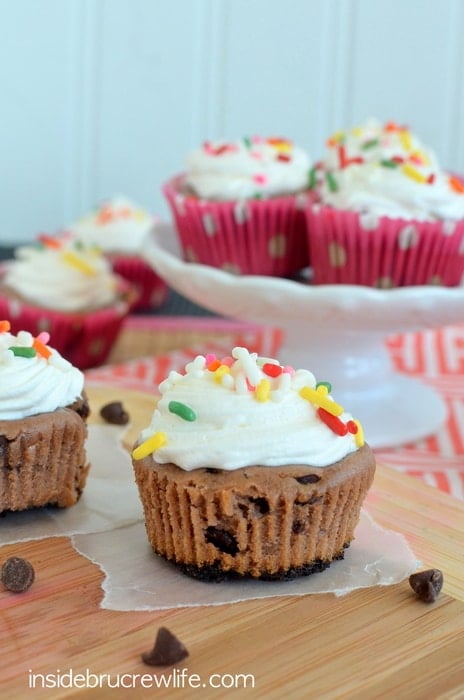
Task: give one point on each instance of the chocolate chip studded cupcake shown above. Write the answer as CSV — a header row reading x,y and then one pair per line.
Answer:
x,y
43,412
250,469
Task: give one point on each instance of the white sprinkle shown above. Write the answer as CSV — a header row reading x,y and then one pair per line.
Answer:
x,y
7,357
248,362
227,381
197,364
241,386
25,338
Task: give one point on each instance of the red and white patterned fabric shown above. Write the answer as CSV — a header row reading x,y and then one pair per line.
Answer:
x,y
434,356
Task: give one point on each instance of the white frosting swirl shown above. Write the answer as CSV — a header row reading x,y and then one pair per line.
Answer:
x,y
234,413
38,383
248,168
62,274
117,225
385,170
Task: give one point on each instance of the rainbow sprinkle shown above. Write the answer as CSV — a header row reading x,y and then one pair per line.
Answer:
x,y
148,446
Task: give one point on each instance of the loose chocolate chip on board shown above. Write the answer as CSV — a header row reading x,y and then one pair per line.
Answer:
x,y
114,413
17,575
427,584
166,651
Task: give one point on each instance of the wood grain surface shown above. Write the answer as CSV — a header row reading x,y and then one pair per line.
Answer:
x,y
380,642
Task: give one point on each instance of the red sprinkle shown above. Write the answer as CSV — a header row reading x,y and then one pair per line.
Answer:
x,y
221,149
431,179
397,159
352,427
345,161
333,422
284,157
272,370
5,326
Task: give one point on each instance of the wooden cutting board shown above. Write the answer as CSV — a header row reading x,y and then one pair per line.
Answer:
x,y
375,643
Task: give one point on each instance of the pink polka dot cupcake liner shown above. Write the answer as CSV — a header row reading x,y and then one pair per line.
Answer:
x,y
85,339
151,290
351,248
253,237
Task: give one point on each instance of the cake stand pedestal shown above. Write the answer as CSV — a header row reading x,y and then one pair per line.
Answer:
x,y
336,331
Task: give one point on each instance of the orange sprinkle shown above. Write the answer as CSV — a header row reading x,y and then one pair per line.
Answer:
x,y
5,326
49,241
391,126
41,348
105,215
456,184
214,365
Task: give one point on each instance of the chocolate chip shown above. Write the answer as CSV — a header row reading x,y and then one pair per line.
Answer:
x,y
261,503
114,413
17,575
212,470
221,539
298,527
307,479
166,651
427,584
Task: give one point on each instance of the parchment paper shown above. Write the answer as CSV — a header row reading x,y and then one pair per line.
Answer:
x,y
106,526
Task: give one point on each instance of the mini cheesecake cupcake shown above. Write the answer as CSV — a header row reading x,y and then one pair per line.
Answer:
x,y
68,289
389,216
250,469
43,412
119,227
240,206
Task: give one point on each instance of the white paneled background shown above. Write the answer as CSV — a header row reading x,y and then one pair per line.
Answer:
x,y
100,97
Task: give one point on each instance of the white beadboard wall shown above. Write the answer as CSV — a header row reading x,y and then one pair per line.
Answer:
x,y
100,97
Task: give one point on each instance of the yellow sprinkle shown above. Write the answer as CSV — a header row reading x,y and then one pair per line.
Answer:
x,y
357,131
146,448
220,372
318,398
140,215
338,136
359,436
405,138
77,262
414,174
263,390
322,389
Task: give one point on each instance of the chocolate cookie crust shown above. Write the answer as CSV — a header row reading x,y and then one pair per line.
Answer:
x,y
263,522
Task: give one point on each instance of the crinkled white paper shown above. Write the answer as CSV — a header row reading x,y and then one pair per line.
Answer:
x,y
137,579
109,500
106,526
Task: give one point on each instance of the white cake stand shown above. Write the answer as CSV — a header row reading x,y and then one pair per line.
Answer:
x,y
336,331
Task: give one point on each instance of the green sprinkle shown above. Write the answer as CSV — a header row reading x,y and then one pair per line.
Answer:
x,y
258,195
331,181
312,178
370,144
247,141
389,163
181,410
328,385
19,351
